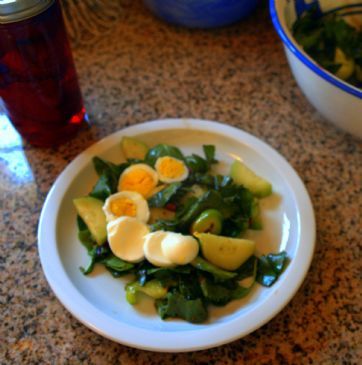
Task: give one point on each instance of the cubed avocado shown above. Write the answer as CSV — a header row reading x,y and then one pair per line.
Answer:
x,y
225,252
243,175
90,210
133,148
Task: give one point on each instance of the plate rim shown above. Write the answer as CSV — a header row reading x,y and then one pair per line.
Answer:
x,y
214,335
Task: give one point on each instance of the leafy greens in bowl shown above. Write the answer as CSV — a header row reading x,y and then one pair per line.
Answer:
x,y
323,37
332,42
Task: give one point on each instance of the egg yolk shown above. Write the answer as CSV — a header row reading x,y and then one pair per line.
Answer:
x,y
123,206
138,180
171,168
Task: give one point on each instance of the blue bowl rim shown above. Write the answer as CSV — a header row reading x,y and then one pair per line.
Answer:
x,y
306,59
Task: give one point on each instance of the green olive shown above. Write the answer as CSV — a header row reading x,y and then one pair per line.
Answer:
x,y
209,221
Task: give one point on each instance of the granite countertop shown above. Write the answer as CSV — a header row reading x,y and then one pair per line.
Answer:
x,y
142,69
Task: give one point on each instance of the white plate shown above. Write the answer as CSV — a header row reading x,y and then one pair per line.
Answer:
x,y
98,300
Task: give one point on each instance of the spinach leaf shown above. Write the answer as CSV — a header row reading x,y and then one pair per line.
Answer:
x,y
162,150
270,267
164,225
176,305
320,36
278,261
210,199
84,235
104,187
189,287
219,275
247,269
116,264
233,227
215,293
97,254
196,164
220,295
109,168
109,174
160,199
89,268
209,151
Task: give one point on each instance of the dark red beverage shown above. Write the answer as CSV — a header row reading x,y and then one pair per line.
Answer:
x,y
38,82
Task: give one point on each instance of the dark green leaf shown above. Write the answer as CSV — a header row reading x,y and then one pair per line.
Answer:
x,y
160,199
106,167
270,267
89,268
164,225
247,269
175,305
109,174
162,150
210,199
241,292
278,261
320,36
189,287
218,274
97,254
209,151
116,264
197,164
84,235
104,187
215,293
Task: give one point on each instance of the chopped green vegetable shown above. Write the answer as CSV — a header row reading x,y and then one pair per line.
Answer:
x,y
331,42
103,188
209,151
270,268
91,212
116,264
196,164
162,150
84,235
176,305
218,274
97,254
152,288
109,174
160,199
133,148
210,220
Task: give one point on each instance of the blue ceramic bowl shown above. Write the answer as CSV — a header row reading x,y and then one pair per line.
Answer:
x,y
201,13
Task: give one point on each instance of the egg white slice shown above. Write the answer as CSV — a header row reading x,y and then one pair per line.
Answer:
x,y
170,169
126,237
178,248
152,249
126,203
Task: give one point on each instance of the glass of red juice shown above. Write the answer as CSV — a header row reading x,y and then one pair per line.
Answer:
x,y
39,88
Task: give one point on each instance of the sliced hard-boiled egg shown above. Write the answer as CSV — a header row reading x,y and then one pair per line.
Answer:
x,y
171,169
140,178
179,249
126,203
153,250
126,238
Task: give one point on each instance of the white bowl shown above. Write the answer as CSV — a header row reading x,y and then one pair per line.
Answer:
x,y
338,101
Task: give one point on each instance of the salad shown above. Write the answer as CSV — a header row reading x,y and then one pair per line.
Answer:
x,y
332,42
176,228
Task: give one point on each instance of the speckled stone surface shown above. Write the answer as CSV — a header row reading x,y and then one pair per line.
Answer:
x,y
238,75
